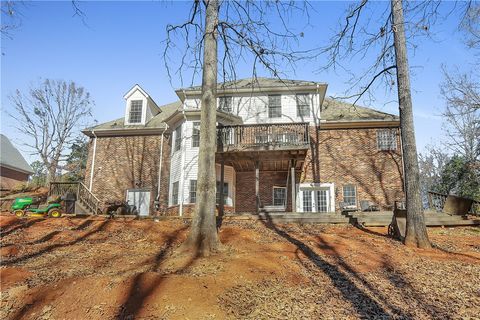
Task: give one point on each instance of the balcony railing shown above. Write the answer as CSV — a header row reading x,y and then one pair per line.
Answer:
x,y
275,136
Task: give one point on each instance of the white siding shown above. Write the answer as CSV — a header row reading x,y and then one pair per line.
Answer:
x,y
190,167
254,108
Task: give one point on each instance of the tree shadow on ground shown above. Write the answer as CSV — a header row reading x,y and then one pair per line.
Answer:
x,y
20,226
341,279
369,231
437,310
49,248
141,287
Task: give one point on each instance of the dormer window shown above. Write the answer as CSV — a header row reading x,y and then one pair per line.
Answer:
x,y
135,115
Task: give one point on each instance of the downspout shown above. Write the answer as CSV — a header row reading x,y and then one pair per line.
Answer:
x,y
182,172
160,168
93,160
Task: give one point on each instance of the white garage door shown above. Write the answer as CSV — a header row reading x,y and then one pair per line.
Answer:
x,y
140,198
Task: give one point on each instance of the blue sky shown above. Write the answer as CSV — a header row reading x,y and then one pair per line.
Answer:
x,y
122,44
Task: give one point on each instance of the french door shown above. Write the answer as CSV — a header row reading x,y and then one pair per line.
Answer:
x,y
315,199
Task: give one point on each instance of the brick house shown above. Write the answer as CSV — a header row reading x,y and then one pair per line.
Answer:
x,y
14,169
280,142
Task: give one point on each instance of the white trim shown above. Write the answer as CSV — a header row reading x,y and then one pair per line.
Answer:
x,y
93,161
135,88
273,195
315,186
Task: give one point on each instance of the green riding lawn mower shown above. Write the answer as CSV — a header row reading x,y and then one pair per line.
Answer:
x,y
33,207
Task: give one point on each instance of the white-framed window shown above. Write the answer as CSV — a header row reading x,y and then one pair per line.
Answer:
x,y
178,138
303,104
136,111
274,106
175,193
279,194
307,200
386,139
193,191
196,134
350,195
225,192
225,104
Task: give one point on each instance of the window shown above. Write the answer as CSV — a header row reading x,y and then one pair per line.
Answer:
x,y
175,193
322,200
275,106
350,195
178,138
193,191
279,196
135,115
307,201
387,139
225,192
225,104
196,135
303,105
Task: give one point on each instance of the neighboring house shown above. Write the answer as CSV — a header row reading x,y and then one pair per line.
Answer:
x,y
270,133
14,170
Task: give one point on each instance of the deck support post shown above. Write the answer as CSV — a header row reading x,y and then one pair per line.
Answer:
x,y
292,172
222,196
257,186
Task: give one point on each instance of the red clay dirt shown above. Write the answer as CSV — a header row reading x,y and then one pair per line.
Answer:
x,y
95,268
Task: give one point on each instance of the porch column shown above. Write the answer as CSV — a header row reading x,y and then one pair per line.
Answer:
x,y
292,172
257,185
222,179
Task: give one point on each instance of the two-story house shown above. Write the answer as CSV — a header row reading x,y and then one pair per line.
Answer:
x,y
282,146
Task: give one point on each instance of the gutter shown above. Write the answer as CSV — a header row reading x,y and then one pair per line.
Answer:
x,y
182,172
160,167
93,160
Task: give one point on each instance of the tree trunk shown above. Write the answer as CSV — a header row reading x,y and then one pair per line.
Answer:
x,y
416,232
203,237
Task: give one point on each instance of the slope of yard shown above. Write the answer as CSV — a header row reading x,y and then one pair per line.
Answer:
x,y
109,269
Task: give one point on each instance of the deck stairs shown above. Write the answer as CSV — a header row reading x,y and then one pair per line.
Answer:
x,y
432,219
290,217
86,202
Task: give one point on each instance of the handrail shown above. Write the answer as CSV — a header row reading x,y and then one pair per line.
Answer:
x,y
82,193
263,135
437,200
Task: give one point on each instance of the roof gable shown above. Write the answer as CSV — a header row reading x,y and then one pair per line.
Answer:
x,y
135,88
12,158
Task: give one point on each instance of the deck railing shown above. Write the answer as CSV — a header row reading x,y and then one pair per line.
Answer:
x,y
275,135
81,192
437,200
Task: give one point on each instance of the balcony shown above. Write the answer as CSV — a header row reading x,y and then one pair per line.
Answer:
x,y
263,137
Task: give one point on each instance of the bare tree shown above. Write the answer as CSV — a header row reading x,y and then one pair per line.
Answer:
x,y
462,115
49,117
239,30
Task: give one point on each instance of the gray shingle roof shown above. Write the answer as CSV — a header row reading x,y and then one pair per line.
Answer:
x,y
156,122
258,82
10,157
334,110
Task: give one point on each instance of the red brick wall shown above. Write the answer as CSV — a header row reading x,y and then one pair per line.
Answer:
x,y
11,178
339,156
127,162
350,156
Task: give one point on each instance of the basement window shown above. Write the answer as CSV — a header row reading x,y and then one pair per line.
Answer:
x,y
225,192
135,114
279,194
175,193
193,191
350,195
387,139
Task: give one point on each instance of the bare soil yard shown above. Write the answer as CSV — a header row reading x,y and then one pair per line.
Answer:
x,y
94,268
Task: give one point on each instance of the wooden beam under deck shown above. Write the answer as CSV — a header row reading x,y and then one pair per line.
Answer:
x,y
277,160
